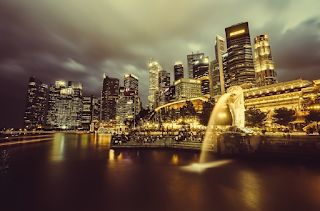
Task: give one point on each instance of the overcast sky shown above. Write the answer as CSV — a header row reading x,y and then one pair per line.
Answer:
x,y
79,40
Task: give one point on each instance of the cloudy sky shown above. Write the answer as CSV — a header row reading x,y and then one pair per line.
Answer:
x,y
79,40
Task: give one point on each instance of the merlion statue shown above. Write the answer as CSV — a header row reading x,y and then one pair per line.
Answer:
x,y
236,106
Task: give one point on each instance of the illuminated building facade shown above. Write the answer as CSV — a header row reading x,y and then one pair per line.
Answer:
x,y
154,69
65,105
268,98
263,62
310,97
164,84
34,116
109,96
54,95
186,88
205,85
240,69
125,108
225,67
131,82
220,49
178,70
128,103
77,103
192,60
90,111
201,72
170,94
201,68
214,74
65,115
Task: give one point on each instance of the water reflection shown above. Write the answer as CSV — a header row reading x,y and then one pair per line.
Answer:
x,y
199,167
175,159
77,172
102,141
57,150
251,189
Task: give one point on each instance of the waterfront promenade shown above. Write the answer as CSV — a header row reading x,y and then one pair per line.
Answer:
x,y
296,145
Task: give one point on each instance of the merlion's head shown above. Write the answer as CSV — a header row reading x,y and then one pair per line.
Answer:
x,y
235,93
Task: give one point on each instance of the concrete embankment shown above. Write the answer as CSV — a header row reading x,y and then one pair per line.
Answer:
x,y
277,146
164,142
292,147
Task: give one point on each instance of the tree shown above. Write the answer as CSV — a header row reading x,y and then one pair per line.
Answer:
x,y
313,116
190,110
283,116
255,117
143,114
206,112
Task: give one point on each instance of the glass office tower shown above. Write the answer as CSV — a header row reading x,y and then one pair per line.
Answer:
x,y
240,69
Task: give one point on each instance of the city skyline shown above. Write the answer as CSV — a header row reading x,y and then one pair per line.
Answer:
x,y
52,43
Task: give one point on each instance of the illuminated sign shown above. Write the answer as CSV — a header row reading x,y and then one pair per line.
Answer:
x,y
237,32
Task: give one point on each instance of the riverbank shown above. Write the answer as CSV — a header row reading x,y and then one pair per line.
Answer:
x,y
294,147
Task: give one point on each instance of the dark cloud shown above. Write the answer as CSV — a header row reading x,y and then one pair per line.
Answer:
x,y
80,40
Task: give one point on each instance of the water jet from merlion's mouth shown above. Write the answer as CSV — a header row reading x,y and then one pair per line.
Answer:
x,y
234,99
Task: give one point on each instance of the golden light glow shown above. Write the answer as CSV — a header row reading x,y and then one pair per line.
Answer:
x,y
222,115
175,159
237,32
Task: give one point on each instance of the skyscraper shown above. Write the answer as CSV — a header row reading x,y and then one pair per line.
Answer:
x,y
263,62
201,72
240,69
124,106
193,59
178,70
36,104
220,49
130,99
201,68
131,82
90,111
214,74
154,69
186,88
164,84
54,95
77,103
65,105
65,116
109,96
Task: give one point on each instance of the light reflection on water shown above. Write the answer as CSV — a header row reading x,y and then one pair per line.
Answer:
x,y
199,167
78,172
57,150
251,189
